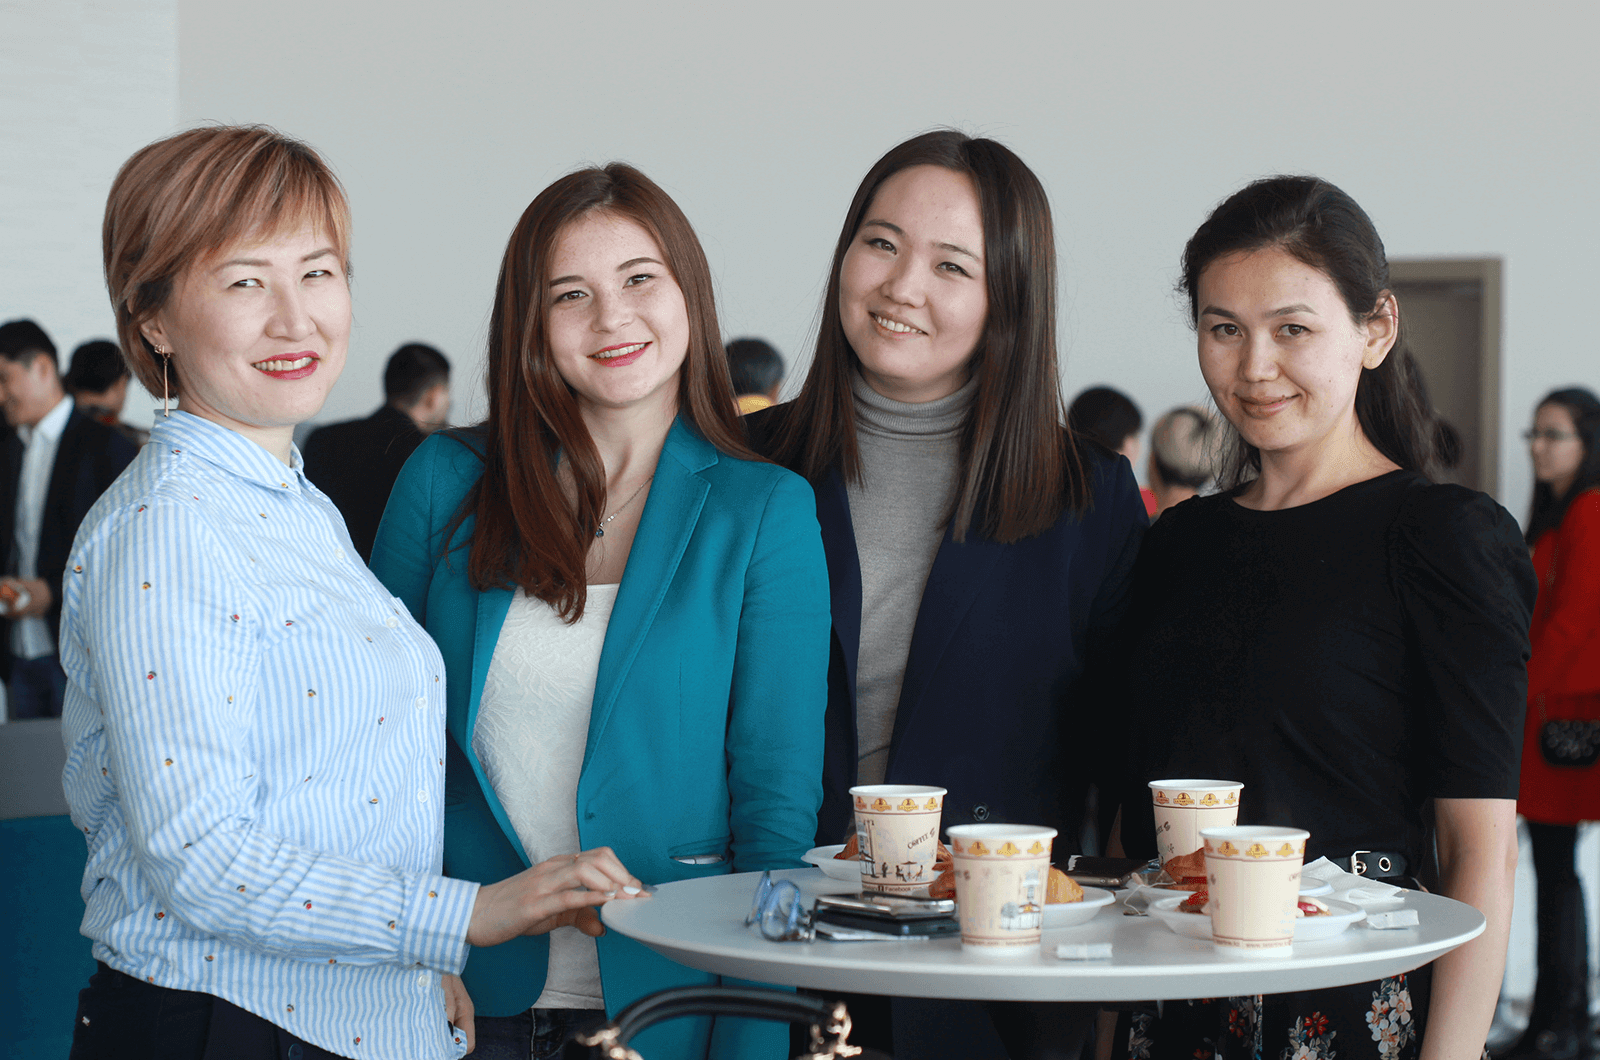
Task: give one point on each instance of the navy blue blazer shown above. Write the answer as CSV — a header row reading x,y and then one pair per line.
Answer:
x,y
1001,704
356,464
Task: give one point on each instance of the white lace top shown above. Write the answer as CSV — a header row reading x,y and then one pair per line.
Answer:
x,y
530,735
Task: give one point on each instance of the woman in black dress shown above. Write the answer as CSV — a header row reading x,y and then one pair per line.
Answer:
x,y
1343,635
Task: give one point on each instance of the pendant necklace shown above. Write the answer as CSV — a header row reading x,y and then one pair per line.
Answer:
x,y
600,531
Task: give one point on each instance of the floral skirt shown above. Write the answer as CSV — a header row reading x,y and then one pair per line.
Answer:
x,y
1380,1020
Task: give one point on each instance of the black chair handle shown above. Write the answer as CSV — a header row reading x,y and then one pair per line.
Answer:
x,y
829,1022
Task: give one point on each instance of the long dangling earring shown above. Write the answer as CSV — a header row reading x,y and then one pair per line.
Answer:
x,y
166,359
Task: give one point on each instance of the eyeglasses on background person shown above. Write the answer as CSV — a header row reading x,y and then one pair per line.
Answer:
x,y
1548,435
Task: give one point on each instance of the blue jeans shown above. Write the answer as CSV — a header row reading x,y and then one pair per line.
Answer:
x,y
537,1034
36,688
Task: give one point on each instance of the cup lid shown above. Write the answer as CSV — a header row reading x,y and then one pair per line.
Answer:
x,y
1001,831
897,789
1236,832
1198,785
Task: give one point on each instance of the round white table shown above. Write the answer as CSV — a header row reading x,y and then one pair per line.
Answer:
x,y
700,923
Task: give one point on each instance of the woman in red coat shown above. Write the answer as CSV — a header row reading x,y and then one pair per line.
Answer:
x,y
1563,683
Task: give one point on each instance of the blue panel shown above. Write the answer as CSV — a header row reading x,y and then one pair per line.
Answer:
x,y
46,962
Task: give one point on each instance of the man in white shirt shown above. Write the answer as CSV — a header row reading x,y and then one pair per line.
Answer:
x,y
52,469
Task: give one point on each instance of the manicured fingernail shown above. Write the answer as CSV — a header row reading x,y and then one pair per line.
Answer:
x,y
630,890
611,894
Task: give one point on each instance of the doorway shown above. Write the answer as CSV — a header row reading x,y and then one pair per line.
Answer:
x,y
1451,312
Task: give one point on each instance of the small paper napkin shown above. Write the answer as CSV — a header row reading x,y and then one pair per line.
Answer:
x,y
1358,890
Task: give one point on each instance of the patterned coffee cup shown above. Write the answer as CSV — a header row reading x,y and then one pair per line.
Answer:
x,y
898,828
1002,872
1184,807
1253,876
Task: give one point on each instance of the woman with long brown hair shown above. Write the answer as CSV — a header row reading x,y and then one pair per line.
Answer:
x,y
978,552
632,607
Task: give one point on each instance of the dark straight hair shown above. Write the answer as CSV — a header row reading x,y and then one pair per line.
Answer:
x,y
412,371
527,533
1018,467
1548,510
1323,227
22,339
1105,415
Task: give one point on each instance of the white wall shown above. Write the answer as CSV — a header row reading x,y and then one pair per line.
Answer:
x,y
1462,137
1470,138
83,83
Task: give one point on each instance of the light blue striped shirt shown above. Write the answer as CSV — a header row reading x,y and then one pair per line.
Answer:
x,y
255,753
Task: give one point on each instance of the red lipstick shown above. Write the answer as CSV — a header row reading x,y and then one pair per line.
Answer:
x,y
608,358
290,366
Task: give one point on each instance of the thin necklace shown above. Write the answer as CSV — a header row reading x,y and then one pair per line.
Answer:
x,y
600,531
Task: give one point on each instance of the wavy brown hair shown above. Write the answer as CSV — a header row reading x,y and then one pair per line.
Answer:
x,y
1018,466
528,533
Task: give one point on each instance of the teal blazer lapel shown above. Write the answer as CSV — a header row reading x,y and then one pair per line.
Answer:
x,y
665,529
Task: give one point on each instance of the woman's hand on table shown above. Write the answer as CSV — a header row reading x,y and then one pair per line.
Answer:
x,y
458,1009
560,892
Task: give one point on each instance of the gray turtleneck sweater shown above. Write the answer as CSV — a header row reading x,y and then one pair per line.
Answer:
x,y
908,470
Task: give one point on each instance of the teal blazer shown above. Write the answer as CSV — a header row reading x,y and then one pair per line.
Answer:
x,y
705,738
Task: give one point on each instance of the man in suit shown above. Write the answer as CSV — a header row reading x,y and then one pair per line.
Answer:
x,y
56,463
97,379
356,462
757,370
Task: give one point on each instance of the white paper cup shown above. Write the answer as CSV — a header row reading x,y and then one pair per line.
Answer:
x,y
898,827
1002,871
1184,807
1253,876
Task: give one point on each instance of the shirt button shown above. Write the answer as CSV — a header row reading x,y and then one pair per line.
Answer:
x,y
391,622
980,812
422,703
422,795
422,980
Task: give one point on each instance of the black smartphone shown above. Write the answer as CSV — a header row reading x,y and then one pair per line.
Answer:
x,y
889,927
884,905
1102,872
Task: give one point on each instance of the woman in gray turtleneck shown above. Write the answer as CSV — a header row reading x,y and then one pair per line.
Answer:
x,y
978,554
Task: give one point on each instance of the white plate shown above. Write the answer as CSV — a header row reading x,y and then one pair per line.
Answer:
x,y
823,858
1306,929
1155,893
1070,914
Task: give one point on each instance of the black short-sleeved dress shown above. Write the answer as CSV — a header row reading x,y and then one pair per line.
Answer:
x,y
1347,660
